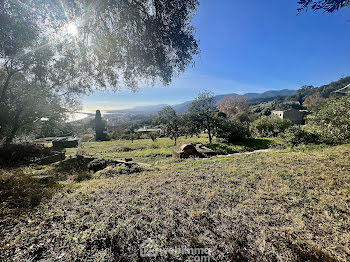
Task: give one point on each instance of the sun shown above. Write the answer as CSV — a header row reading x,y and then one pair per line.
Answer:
x,y
72,29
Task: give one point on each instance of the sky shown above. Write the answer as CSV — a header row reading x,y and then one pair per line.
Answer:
x,y
250,46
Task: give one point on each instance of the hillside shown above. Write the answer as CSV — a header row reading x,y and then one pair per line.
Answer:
x,y
181,108
282,206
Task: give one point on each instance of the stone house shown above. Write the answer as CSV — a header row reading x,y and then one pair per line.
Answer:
x,y
295,116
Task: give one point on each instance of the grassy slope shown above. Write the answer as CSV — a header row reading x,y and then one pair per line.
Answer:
x,y
269,207
144,150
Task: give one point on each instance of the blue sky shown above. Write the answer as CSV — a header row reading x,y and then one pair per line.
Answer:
x,y
251,46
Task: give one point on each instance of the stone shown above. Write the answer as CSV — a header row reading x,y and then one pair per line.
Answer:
x,y
186,151
205,150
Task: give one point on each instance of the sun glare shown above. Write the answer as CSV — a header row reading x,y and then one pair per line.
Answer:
x,y
72,29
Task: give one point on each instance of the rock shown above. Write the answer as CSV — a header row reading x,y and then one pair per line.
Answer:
x,y
100,164
205,150
57,157
61,143
186,151
97,165
128,159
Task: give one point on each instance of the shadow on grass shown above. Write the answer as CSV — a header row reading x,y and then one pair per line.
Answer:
x,y
241,146
20,191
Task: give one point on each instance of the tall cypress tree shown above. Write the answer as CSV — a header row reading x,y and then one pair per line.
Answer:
x,y
100,127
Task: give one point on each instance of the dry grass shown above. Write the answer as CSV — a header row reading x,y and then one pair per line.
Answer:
x,y
287,206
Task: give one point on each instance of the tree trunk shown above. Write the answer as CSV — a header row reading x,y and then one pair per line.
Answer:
x,y
5,87
14,128
210,137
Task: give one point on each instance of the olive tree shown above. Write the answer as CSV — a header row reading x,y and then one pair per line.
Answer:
x,y
332,121
326,5
168,118
203,108
74,47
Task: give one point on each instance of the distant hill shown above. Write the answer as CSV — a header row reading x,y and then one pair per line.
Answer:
x,y
182,108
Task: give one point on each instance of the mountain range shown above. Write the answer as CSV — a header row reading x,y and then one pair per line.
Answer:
x,y
181,108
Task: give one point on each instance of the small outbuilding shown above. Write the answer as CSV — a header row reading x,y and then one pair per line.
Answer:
x,y
295,116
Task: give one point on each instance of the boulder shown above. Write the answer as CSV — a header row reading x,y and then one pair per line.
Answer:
x,y
186,151
66,143
205,150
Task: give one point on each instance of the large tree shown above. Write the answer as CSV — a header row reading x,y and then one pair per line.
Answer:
x,y
74,47
29,107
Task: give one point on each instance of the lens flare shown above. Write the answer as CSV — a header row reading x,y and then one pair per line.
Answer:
x,y
72,29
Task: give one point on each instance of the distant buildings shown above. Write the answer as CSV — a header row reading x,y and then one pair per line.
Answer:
x,y
147,129
295,116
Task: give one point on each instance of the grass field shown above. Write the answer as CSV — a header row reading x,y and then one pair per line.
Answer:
x,y
291,205
144,150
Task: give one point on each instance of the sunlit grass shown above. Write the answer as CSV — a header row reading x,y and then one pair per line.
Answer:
x,y
147,151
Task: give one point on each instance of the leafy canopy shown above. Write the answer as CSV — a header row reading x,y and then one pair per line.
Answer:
x,y
329,6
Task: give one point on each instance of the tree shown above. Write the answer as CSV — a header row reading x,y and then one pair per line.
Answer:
x,y
314,102
189,125
170,121
203,108
326,5
332,121
269,126
100,127
232,130
107,43
29,108
74,47
232,105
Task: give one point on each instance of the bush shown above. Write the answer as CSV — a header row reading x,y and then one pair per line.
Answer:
x,y
18,154
297,136
232,130
269,126
332,121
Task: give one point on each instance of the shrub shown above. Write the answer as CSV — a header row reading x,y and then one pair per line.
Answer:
x,y
297,136
269,126
17,154
332,121
232,130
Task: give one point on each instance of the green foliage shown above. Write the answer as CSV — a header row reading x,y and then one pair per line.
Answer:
x,y
116,43
232,130
297,136
332,121
269,126
203,109
170,122
247,145
190,125
29,109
